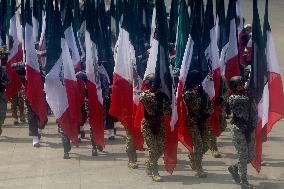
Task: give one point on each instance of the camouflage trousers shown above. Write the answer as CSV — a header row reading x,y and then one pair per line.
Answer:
x,y
200,144
212,139
33,121
245,150
223,121
130,149
155,142
18,102
3,107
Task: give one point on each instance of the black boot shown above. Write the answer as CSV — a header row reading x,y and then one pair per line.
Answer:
x,y
245,184
234,172
0,130
66,146
95,148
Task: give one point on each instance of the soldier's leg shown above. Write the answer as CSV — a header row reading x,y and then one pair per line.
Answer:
x,y
33,122
241,146
151,141
94,147
21,103
212,144
251,148
223,121
131,151
14,108
65,142
198,149
159,138
3,109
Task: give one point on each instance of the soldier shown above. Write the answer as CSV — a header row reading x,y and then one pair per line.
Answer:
x,y
243,124
199,108
156,105
4,80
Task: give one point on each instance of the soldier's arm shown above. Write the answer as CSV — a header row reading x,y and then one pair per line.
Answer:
x,y
149,102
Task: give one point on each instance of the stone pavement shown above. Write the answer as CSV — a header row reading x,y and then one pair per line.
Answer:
x,y
22,166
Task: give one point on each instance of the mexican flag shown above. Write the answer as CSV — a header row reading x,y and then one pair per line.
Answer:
x,y
271,105
59,78
95,99
230,53
211,84
34,95
14,43
70,36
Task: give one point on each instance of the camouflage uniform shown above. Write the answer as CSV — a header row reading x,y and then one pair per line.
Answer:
x,y
18,102
131,151
153,129
199,108
4,80
243,137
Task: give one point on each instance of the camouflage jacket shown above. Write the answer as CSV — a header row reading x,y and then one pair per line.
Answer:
x,y
4,79
199,106
156,105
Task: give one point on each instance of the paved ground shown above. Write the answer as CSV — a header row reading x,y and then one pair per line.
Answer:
x,y
22,166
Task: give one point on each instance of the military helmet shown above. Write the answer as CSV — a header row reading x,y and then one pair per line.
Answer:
x,y
235,82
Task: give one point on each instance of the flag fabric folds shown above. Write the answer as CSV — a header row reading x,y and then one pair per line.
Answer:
x,y
271,104
35,96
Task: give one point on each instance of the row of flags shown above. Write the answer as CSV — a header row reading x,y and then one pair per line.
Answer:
x,y
201,42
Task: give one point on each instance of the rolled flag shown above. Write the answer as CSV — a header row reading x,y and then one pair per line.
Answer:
x,y
35,96
271,105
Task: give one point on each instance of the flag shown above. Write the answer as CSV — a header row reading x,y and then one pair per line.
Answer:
x,y
182,32
158,64
271,105
55,86
35,96
220,24
122,104
230,54
211,84
35,20
69,35
240,17
173,22
14,44
95,99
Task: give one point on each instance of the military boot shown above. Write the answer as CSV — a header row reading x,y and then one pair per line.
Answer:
x,y
245,184
233,170
0,130
131,161
148,168
216,154
155,174
66,146
94,149
192,162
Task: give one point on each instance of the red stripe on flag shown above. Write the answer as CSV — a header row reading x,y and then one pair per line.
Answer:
x,y
232,68
70,128
122,101
73,95
96,113
15,84
36,95
171,144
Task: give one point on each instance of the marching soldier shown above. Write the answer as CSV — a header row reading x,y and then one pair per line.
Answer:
x,y
243,126
199,109
156,105
4,80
